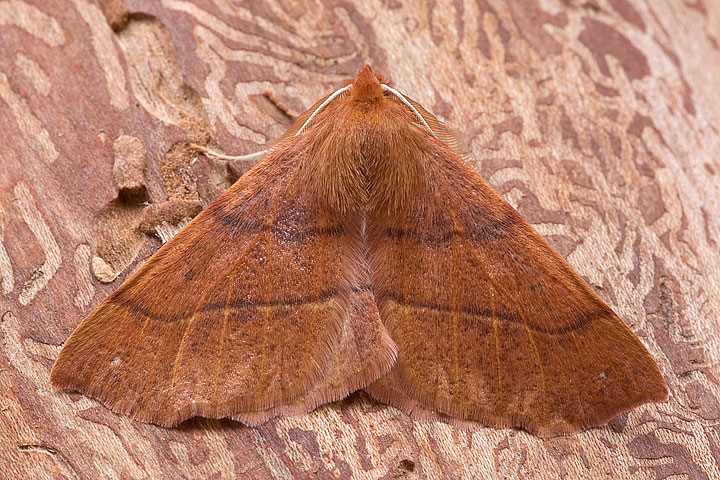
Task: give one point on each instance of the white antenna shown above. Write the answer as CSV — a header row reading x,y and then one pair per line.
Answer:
x,y
387,88
322,105
404,100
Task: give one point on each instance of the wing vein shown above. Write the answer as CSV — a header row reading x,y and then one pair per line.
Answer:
x,y
254,241
221,345
525,324
478,262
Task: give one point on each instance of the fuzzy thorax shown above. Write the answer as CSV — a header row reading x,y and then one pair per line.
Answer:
x,y
367,149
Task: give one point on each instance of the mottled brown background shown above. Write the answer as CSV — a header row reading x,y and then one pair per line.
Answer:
x,y
597,119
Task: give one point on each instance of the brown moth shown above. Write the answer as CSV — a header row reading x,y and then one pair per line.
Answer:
x,y
361,252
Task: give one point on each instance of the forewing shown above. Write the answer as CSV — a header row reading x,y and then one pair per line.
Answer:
x,y
491,324
241,311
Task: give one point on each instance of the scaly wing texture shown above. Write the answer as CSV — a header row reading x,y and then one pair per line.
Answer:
x,y
241,312
491,324
364,352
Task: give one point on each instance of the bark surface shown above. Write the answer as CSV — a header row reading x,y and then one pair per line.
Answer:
x,y
597,120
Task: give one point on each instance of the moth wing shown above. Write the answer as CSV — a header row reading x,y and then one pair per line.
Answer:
x,y
241,311
364,349
491,324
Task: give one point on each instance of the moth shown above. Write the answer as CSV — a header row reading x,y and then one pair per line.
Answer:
x,y
361,253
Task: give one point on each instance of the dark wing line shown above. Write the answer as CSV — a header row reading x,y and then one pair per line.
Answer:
x,y
239,304
580,322
490,231
240,225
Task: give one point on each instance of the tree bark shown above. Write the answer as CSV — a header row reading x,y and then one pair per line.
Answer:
x,y
597,120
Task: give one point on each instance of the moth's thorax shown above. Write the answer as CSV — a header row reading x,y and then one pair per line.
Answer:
x,y
367,152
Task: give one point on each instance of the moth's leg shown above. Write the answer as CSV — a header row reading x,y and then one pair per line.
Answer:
x,y
251,157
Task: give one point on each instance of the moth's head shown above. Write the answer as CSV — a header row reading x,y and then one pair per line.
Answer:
x,y
366,145
367,85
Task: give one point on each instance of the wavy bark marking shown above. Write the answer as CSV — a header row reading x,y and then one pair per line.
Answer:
x,y
221,109
85,289
215,54
33,20
34,73
209,34
35,135
155,74
22,352
252,41
602,39
35,221
268,455
7,281
106,53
